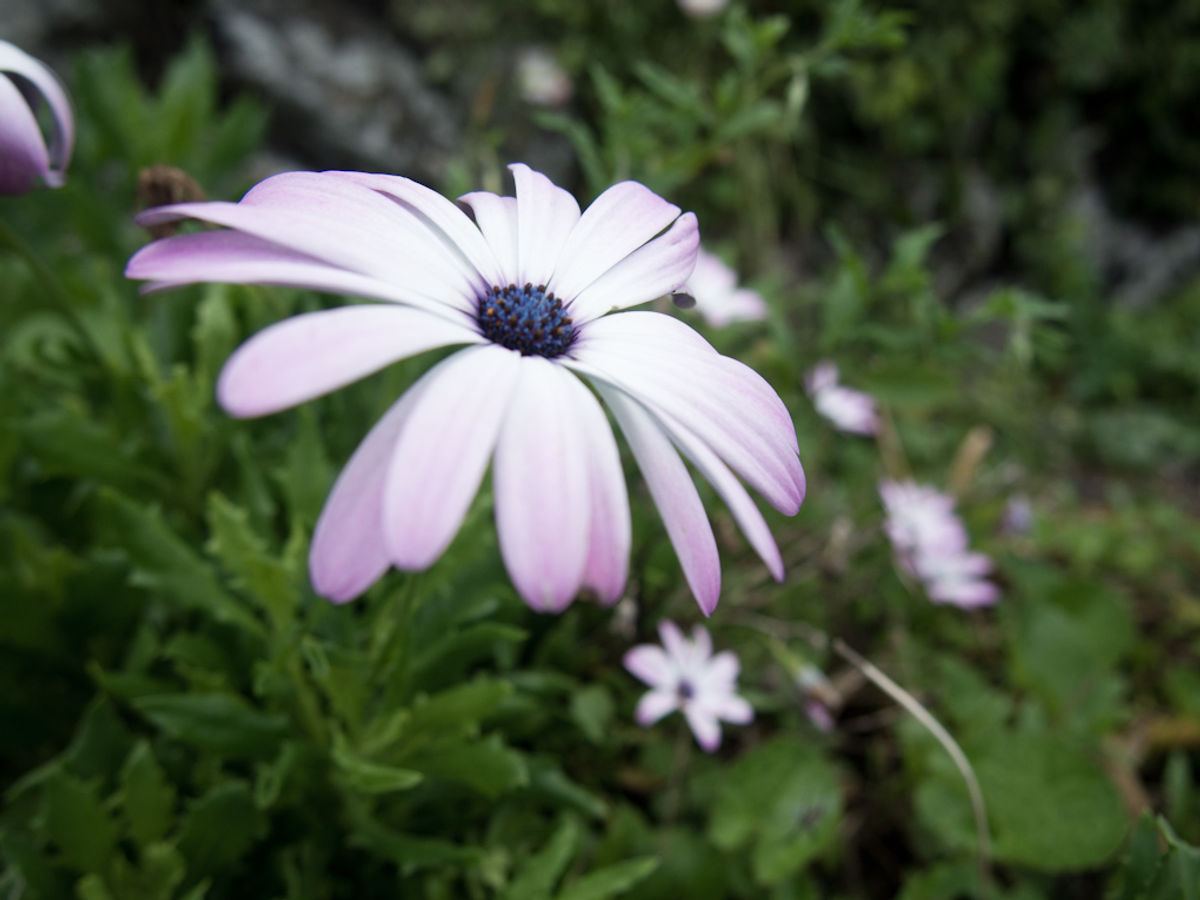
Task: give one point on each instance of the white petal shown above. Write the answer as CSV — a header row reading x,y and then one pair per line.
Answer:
x,y
460,234
619,221
497,218
675,496
721,671
444,450
348,552
541,485
652,270
545,216
649,663
677,646
654,705
315,353
732,708
607,566
704,726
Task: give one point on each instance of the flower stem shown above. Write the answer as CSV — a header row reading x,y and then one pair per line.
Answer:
x,y
54,291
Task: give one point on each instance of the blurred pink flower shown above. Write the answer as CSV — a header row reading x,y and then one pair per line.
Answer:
x,y
541,80
702,9
931,544
848,409
718,298
26,158
684,675
525,282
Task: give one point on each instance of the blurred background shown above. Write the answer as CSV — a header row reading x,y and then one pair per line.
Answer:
x,y
985,212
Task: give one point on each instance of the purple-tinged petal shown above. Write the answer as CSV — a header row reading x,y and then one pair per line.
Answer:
x,y
620,220
721,672
607,566
713,397
745,513
458,232
443,451
348,552
497,219
654,705
704,726
62,139
646,331
238,258
541,487
649,663
679,650
675,496
545,216
344,224
732,708
652,270
309,355
702,645
23,156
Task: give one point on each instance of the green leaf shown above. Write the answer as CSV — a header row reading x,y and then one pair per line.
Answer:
x,y
219,722
240,549
537,877
1051,805
220,828
77,823
71,441
456,712
592,709
166,565
147,798
370,777
408,852
782,799
487,765
610,880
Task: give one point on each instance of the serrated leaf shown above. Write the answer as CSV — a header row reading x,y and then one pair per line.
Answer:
x,y
261,576
73,442
165,564
147,798
457,711
219,722
408,852
610,880
219,828
488,766
536,879
77,823
370,777
592,710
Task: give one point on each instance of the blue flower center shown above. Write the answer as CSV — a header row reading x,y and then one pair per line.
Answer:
x,y
684,690
526,319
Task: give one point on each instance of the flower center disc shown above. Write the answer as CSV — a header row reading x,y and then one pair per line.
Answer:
x,y
526,319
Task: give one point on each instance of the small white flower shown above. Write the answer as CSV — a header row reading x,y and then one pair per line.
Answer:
x,y
540,78
931,544
718,297
685,675
849,410
702,9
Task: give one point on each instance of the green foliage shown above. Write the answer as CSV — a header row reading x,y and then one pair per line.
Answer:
x,y
184,718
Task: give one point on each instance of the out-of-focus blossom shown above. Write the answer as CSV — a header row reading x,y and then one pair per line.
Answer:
x,y
26,156
1018,515
684,675
820,697
931,544
540,78
526,283
702,9
718,298
849,410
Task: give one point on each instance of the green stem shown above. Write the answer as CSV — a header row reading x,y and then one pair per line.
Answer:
x,y
54,291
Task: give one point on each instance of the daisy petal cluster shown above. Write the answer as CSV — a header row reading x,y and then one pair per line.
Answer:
x,y
849,410
714,286
26,157
931,544
525,285
684,675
